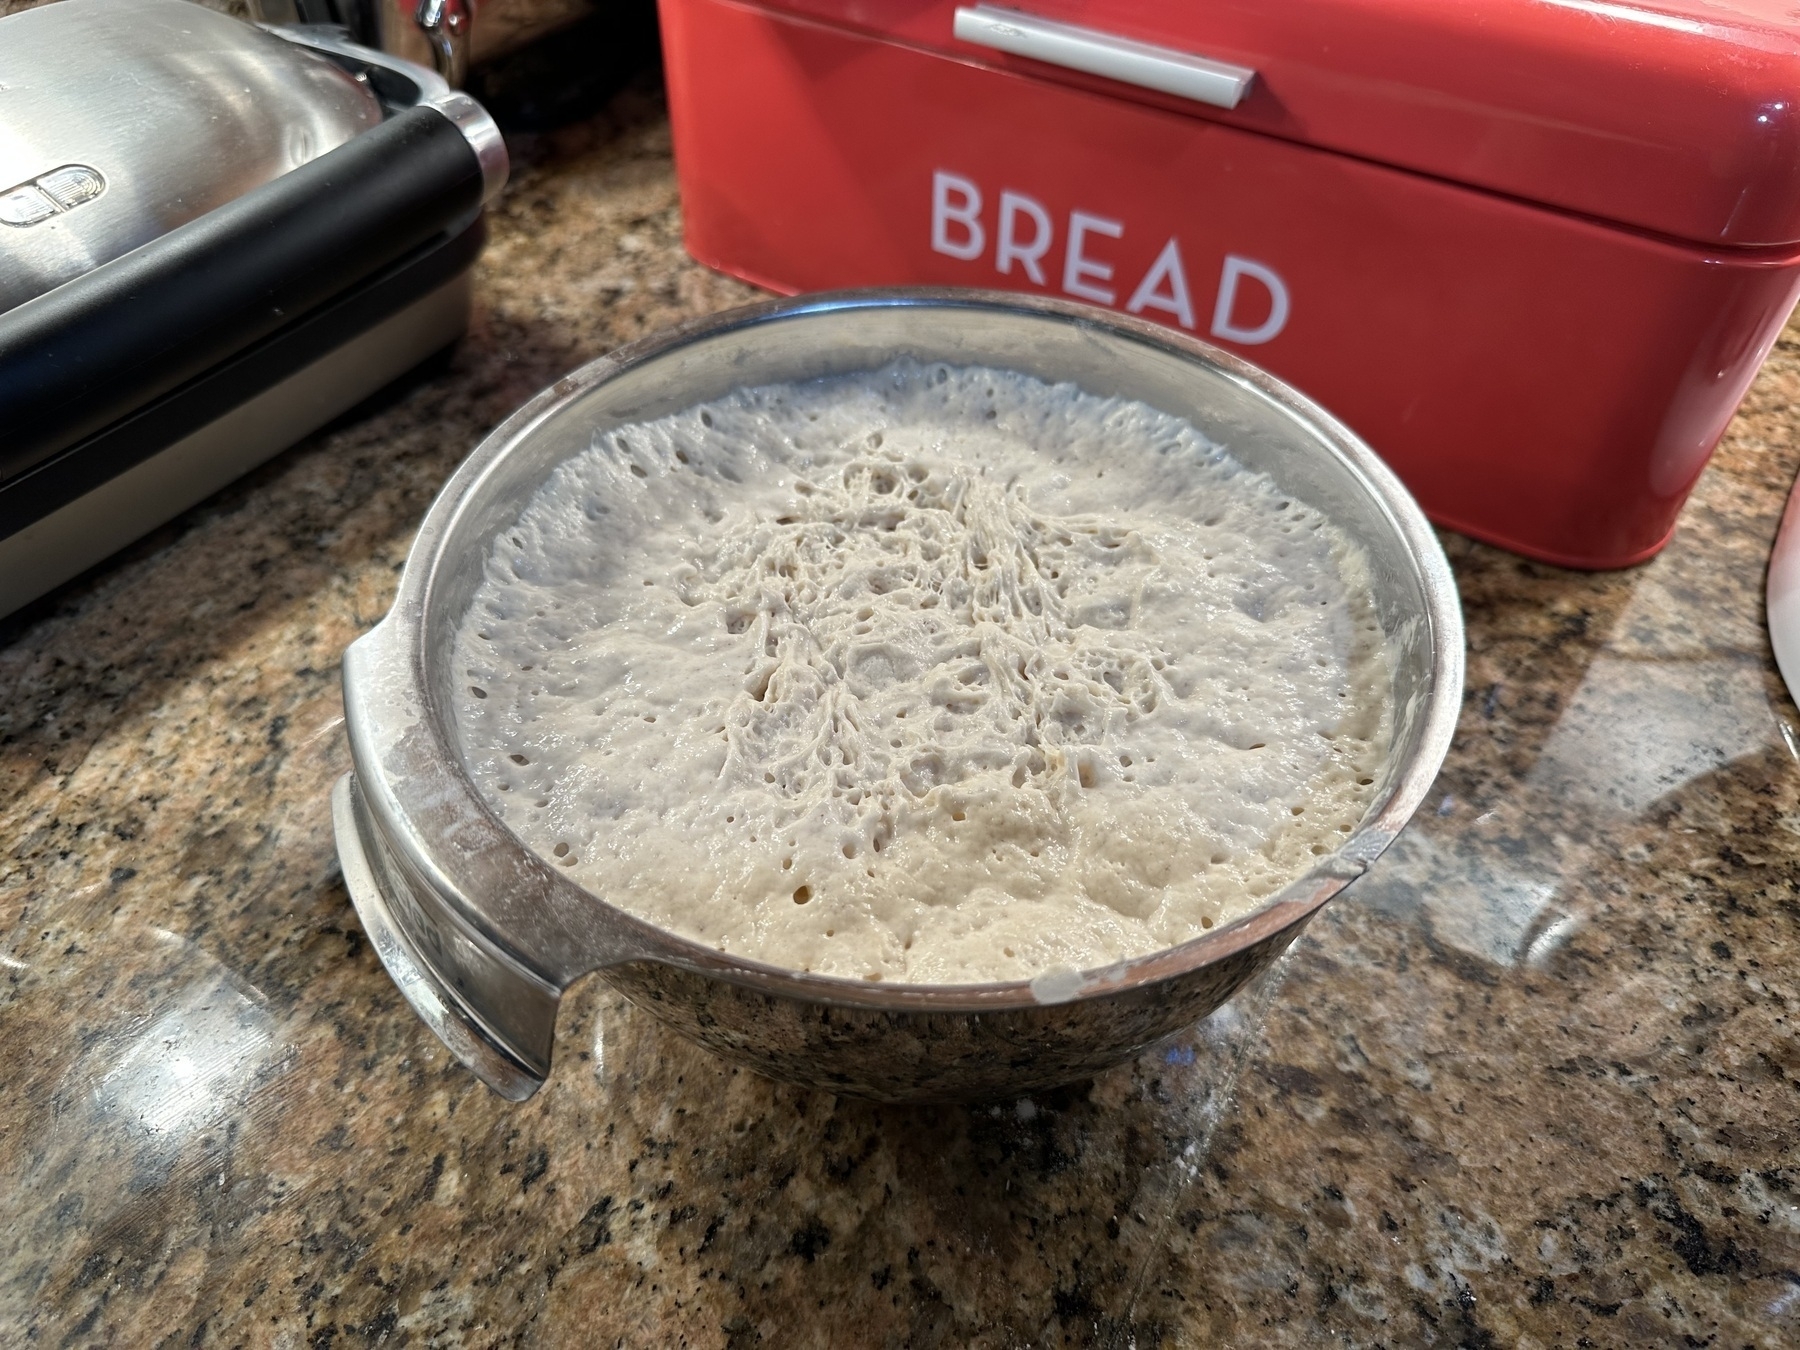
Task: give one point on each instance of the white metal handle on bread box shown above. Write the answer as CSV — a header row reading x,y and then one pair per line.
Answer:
x,y
1141,63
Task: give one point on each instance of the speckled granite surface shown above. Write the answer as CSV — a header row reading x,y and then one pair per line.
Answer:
x,y
1536,1082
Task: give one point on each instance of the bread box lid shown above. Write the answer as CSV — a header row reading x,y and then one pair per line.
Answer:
x,y
1676,116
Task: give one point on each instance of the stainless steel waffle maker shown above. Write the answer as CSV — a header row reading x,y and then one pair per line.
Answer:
x,y
214,238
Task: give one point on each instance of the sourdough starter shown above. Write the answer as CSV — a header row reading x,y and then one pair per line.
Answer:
x,y
935,674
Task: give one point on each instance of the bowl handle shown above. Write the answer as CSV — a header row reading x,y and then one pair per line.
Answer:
x,y
496,1019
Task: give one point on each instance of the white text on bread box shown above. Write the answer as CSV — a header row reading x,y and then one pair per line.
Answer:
x,y
1024,236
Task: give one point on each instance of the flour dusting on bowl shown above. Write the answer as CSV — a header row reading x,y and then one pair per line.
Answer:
x,y
933,674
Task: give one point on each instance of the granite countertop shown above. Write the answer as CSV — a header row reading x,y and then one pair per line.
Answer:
x,y
1534,1082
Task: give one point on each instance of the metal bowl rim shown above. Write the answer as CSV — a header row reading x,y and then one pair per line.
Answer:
x,y
1289,908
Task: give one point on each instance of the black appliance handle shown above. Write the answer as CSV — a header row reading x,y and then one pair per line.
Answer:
x,y
84,354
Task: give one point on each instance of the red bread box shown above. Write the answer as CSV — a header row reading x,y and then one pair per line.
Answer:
x,y
1532,250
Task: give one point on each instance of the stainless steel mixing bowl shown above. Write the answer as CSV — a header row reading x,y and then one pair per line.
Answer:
x,y
483,936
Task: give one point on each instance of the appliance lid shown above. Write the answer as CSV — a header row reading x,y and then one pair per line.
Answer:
x,y
122,119
1674,116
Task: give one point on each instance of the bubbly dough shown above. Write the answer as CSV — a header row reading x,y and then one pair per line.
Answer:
x,y
934,674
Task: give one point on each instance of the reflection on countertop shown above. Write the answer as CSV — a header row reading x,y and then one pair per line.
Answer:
x,y
1535,1082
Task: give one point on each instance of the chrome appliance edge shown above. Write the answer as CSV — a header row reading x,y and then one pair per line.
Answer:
x,y
185,110
69,540
422,86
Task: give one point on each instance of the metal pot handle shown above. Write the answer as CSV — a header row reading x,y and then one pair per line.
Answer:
x,y
447,25
514,1058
